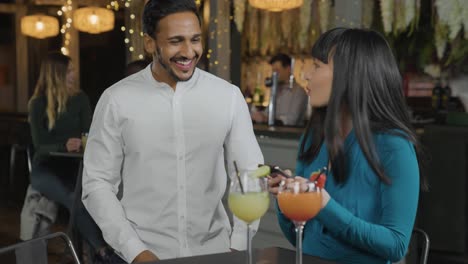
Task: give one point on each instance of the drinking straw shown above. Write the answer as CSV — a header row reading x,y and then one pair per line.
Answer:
x,y
238,177
322,170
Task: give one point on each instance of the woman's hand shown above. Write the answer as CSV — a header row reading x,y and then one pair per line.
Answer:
x,y
274,181
303,187
73,145
145,256
325,197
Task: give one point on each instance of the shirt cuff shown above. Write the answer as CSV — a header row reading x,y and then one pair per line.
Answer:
x,y
132,248
239,233
334,217
238,241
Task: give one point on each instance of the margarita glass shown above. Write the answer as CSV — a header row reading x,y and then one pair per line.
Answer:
x,y
299,201
248,200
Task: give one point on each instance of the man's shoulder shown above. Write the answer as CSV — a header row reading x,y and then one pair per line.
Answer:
x,y
133,83
213,80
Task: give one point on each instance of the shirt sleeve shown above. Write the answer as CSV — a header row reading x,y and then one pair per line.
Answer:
x,y
389,238
241,146
101,177
43,141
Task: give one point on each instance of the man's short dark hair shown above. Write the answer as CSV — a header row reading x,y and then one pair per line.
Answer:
x,y
283,58
155,10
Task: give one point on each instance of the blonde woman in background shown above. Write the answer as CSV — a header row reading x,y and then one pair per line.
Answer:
x,y
58,113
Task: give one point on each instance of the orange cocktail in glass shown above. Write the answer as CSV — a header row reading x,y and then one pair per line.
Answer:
x,y
299,200
300,207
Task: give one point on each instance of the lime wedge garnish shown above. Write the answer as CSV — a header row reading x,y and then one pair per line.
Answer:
x,y
262,171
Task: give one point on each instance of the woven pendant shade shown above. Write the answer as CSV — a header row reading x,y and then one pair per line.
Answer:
x,y
276,5
93,20
39,26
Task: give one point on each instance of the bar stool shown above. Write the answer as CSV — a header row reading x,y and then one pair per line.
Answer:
x,y
14,151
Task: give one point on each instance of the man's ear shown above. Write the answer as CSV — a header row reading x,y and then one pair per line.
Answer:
x,y
150,45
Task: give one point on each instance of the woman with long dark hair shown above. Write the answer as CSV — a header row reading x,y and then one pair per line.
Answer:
x,y
360,130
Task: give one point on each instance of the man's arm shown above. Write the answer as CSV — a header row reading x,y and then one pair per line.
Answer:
x,y
101,177
241,146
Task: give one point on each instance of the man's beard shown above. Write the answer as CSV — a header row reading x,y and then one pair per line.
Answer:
x,y
168,68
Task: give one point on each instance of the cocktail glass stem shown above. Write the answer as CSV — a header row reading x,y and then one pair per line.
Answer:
x,y
249,245
299,230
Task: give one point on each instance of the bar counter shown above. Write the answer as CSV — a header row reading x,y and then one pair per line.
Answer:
x,y
283,132
273,255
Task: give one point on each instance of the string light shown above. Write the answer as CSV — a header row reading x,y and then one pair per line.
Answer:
x,y
66,12
114,5
219,31
128,31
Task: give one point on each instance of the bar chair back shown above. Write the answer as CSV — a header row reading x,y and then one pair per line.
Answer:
x,y
35,251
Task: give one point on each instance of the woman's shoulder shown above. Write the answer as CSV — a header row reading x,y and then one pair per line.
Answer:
x,y
80,95
37,102
79,98
393,140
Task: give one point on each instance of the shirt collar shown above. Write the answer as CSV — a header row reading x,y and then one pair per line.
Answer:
x,y
184,84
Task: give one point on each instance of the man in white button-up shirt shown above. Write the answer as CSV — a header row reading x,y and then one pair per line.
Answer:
x,y
163,133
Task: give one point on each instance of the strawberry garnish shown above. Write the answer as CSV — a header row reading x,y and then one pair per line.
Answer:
x,y
319,177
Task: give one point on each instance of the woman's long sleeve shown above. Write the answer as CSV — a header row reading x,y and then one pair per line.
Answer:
x,y
389,237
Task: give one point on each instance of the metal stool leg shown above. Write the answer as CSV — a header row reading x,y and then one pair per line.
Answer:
x,y
10,189
71,230
11,177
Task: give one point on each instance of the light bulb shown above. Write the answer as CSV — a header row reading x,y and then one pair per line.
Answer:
x,y
39,25
93,19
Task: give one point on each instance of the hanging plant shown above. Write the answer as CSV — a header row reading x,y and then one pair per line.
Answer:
x,y
386,9
324,10
367,13
405,15
449,14
252,31
304,18
265,27
239,14
417,15
399,16
314,27
464,17
440,38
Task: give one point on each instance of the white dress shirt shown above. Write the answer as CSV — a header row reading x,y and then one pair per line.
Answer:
x,y
168,149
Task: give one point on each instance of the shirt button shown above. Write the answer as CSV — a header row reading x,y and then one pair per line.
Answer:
x,y
181,157
181,187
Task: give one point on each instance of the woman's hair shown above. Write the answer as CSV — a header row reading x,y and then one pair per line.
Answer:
x,y
368,86
155,10
52,84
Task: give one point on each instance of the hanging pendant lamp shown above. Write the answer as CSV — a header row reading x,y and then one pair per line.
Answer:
x,y
39,26
276,5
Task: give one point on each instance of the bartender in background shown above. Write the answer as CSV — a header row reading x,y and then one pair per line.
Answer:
x,y
291,99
